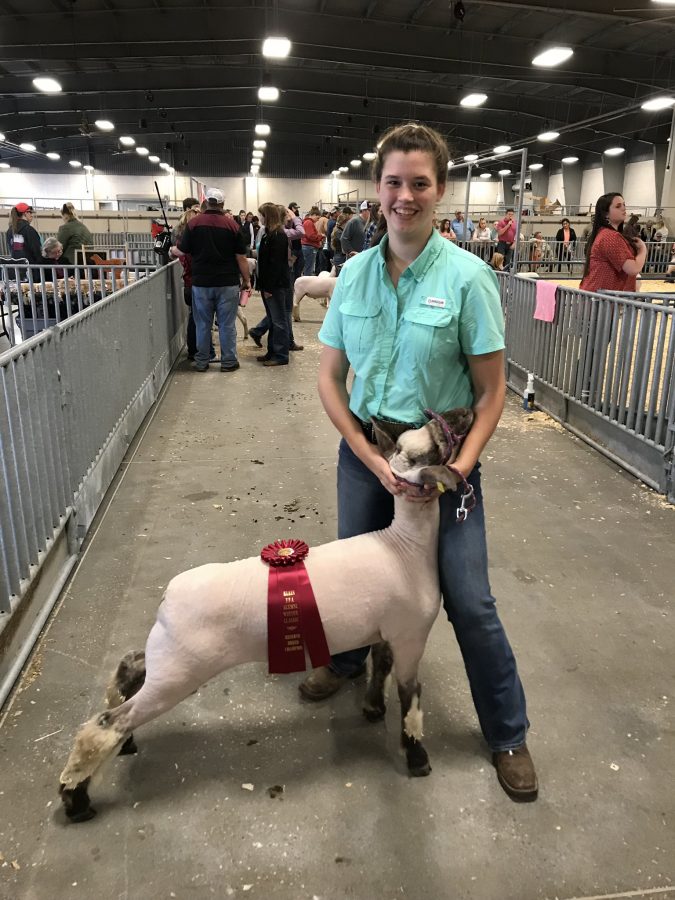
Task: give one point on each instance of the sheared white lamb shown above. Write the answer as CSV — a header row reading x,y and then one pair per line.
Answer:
x,y
320,287
377,587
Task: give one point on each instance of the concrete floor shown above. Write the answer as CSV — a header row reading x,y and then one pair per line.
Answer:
x,y
581,562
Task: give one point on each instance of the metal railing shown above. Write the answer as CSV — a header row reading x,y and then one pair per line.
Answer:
x,y
33,298
117,240
71,400
604,367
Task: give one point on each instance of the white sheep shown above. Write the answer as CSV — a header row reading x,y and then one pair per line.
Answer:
x,y
377,587
320,287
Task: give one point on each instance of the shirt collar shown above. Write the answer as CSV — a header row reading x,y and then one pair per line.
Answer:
x,y
418,268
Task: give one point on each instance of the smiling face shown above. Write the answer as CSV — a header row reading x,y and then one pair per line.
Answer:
x,y
408,193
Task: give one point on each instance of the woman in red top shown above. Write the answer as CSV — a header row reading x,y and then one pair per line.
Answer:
x,y
612,261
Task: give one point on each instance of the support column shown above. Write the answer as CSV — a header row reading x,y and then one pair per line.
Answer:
x,y
613,171
571,175
666,196
250,195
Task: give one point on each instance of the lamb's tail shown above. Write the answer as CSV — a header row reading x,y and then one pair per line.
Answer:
x,y
127,679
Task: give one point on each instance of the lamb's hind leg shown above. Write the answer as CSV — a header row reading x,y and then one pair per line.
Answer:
x,y
406,661
128,679
374,705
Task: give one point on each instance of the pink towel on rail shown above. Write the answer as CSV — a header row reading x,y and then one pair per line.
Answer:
x,y
545,307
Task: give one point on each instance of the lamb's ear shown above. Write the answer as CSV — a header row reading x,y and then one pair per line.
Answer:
x,y
439,475
385,441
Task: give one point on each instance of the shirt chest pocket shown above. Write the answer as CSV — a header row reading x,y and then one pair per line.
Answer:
x,y
431,332
361,323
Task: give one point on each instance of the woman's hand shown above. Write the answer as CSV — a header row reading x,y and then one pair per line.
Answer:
x,y
379,466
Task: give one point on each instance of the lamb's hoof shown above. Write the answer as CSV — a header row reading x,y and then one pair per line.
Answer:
x,y
418,761
374,713
296,313
76,802
128,747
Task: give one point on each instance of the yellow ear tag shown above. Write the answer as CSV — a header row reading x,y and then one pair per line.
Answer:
x,y
440,487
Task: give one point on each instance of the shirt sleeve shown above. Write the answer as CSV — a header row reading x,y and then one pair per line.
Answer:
x,y
615,249
481,322
330,332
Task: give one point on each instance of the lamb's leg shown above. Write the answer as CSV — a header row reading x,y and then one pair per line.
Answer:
x,y
244,321
296,309
411,728
374,706
127,681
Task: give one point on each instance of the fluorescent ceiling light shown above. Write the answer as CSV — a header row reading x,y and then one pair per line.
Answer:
x,y
164,165
505,171
142,151
4,165
104,125
473,100
259,145
276,47
568,160
2,137
258,153
614,151
369,156
355,163
335,173
268,93
29,148
47,85
343,169
470,157
88,168
52,155
75,163
501,148
486,175
154,159
553,57
127,141
262,129
536,166
548,136
658,103
665,2
450,163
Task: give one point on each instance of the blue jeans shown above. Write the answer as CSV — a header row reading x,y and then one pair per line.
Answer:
x,y
278,340
309,256
263,325
224,301
364,505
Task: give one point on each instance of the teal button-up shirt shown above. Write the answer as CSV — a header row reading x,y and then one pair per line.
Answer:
x,y
408,345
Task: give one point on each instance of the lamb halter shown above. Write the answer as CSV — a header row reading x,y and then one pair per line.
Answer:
x,y
452,440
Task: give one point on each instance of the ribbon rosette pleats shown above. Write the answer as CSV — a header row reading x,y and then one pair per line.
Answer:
x,y
293,620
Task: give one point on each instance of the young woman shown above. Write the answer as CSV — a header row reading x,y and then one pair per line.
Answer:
x,y
446,231
612,262
483,232
23,240
73,233
566,238
408,355
273,283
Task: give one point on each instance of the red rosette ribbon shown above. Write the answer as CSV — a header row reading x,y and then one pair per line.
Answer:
x,y
293,620
284,552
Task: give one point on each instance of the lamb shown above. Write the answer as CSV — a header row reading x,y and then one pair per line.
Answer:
x,y
377,587
320,287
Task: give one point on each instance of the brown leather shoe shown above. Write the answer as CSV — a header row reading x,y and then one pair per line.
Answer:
x,y
297,347
323,682
516,774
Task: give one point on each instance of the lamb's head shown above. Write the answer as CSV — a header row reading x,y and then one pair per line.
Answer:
x,y
421,455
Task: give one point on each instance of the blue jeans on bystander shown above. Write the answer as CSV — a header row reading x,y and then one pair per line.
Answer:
x,y
223,301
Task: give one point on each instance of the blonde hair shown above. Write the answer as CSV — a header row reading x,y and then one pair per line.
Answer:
x,y
497,261
271,213
68,212
407,138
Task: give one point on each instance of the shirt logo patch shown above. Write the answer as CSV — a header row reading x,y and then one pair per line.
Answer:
x,y
437,302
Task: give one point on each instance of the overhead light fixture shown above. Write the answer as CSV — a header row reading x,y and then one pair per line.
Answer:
x,y
2,137
615,151
552,57
355,163
258,153
470,157
548,136
335,173
536,166
154,159
75,163
104,125
164,165
450,163
88,168
276,47
473,100
501,148
4,165
343,169
658,103
127,141
262,129
268,93
664,2
369,157
170,170
568,160
53,155
47,85
486,174
259,145
142,151
504,172
29,148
